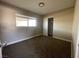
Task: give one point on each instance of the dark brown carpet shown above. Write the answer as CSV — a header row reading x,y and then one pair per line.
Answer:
x,y
39,47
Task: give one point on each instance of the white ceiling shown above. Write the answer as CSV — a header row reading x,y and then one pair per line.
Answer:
x,y
50,5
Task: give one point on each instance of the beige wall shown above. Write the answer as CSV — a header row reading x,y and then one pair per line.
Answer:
x,y
9,32
62,25
76,30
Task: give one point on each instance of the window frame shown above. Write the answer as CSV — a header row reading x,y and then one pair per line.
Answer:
x,y
28,19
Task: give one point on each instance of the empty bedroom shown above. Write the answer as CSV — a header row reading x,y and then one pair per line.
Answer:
x,y
39,28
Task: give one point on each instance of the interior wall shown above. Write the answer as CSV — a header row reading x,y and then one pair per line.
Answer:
x,y
62,24
76,30
0,39
9,32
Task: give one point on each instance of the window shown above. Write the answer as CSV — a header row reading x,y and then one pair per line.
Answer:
x,y
24,21
32,22
21,21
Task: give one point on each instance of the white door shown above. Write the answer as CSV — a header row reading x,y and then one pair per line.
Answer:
x,y
0,52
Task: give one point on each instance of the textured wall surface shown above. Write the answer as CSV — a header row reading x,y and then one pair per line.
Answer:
x,y
9,31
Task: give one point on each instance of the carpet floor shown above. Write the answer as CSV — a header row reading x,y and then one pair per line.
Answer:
x,y
39,47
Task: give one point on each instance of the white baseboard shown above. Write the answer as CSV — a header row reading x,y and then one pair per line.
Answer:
x,y
21,40
63,39
32,37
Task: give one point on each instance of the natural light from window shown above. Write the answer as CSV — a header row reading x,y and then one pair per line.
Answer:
x,y
32,22
25,21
